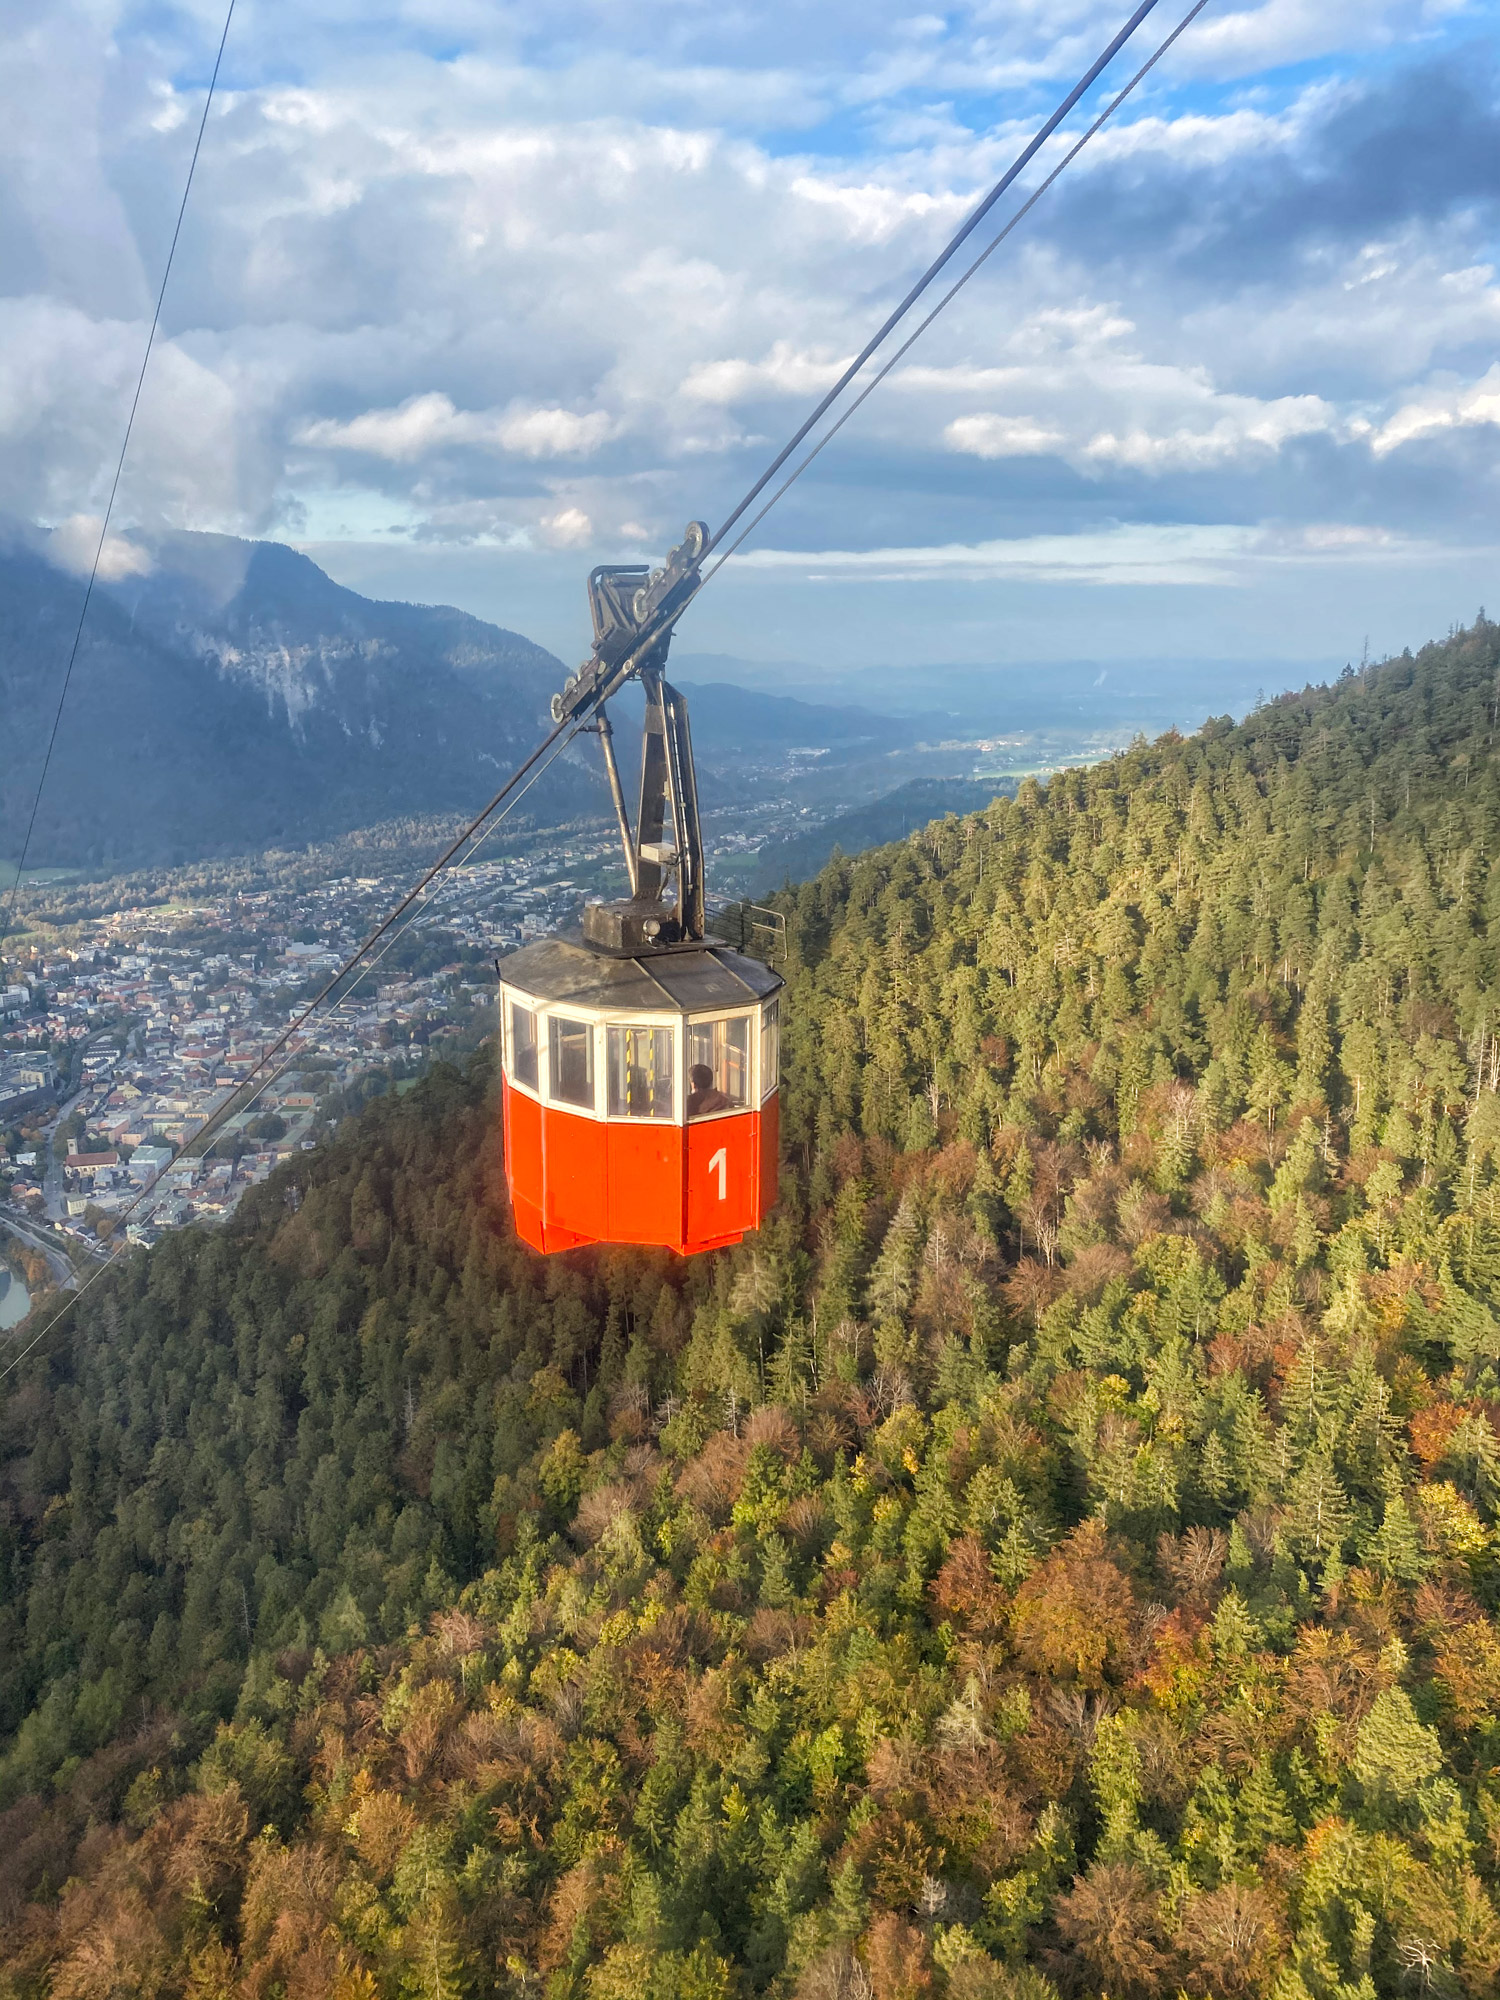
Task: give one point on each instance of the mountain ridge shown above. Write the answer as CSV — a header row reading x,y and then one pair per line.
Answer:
x,y
248,701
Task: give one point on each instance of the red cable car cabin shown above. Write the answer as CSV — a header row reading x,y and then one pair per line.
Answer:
x,y
640,1094
640,1060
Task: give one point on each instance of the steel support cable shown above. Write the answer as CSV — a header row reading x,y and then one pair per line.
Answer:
x,y
669,624
236,1104
1023,160
135,403
911,340
554,743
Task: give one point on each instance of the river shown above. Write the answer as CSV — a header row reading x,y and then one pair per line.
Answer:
x,y
15,1300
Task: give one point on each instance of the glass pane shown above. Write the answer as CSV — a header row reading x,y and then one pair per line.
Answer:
x,y
770,1047
523,1046
718,1066
640,1073
571,1078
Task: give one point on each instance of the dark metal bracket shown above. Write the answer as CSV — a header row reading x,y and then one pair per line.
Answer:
x,y
634,611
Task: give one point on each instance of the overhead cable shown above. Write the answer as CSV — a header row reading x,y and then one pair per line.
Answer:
x,y
239,1102
961,236
135,403
952,293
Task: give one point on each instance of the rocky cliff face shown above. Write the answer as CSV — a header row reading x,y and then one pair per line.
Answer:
x,y
293,679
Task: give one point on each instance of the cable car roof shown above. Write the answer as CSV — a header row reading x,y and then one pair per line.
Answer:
x,y
697,981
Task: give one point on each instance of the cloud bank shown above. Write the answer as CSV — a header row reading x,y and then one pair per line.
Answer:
x,y
497,278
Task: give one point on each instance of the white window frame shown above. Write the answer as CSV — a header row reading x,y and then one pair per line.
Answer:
x,y
673,1024
587,1018
512,996
599,1021
763,1088
752,1078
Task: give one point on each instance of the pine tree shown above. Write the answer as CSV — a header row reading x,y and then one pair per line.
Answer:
x,y
1319,1515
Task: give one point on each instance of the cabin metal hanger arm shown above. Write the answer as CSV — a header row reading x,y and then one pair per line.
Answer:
x,y
635,610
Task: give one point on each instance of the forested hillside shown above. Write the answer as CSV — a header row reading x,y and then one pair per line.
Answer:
x,y
1060,1555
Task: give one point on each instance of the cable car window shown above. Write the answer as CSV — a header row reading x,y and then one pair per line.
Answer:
x,y
570,1047
640,1072
523,1046
718,1066
770,1047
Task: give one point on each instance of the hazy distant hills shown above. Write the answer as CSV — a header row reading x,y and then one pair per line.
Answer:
x,y
235,698
891,817
1038,697
726,717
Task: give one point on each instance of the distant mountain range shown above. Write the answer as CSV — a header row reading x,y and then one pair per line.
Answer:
x,y
727,717
1116,696
234,698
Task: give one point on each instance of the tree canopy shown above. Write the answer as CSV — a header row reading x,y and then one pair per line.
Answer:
x,y
1059,1555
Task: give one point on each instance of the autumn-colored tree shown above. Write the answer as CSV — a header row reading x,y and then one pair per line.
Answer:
x,y
1073,1617
1111,1920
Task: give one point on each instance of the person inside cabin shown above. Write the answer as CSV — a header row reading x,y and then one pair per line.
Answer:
x,y
703,1097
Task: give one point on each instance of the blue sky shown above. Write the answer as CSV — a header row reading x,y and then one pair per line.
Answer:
x,y
472,296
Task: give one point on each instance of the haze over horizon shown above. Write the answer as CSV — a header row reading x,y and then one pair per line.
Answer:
x,y
470,299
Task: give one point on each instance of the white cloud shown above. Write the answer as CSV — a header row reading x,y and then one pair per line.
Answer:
x,y
991,436
569,528
553,433
1130,553
558,292
785,372
1291,31
198,454
1441,409
73,543
1246,428
871,213
1233,137
1124,554
1084,395
430,423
